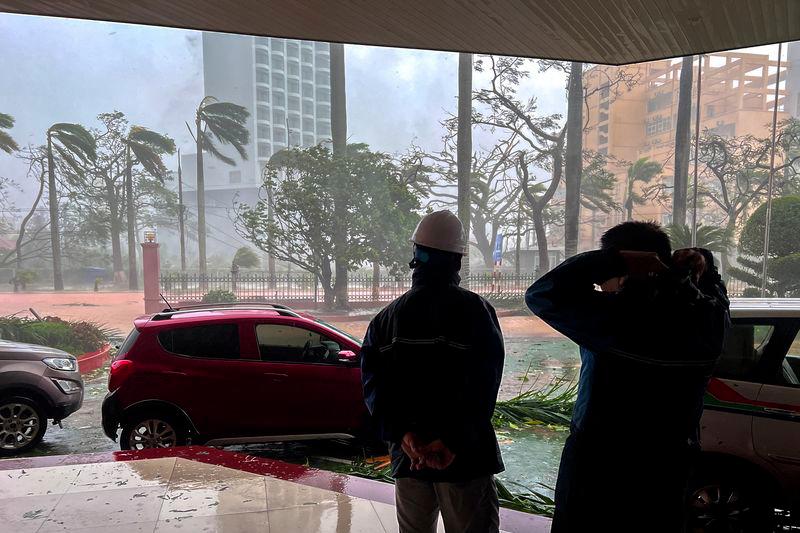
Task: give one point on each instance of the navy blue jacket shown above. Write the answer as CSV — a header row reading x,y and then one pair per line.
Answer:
x,y
647,352
431,363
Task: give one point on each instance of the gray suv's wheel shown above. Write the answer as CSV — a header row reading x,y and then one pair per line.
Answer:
x,y
152,430
22,425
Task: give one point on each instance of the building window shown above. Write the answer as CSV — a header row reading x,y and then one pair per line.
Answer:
x,y
277,44
320,46
323,129
308,74
603,116
294,103
323,94
263,132
263,41
293,68
323,111
279,98
294,138
308,124
278,80
278,117
262,75
604,106
277,62
262,94
323,61
262,57
308,107
264,150
603,150
659,101
307,55
292,49
723,130
294,122
293,85
323,77
262,112
308,140
658,124
308,90
235,176
605,91
279,135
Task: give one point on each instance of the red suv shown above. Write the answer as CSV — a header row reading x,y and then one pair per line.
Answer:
x,y
231,374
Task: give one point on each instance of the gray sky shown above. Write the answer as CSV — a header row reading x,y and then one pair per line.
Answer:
x,y
62,70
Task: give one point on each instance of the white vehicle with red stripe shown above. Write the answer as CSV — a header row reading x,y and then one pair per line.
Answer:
x,y
750,429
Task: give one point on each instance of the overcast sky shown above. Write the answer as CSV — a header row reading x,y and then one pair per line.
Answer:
x,y
62,70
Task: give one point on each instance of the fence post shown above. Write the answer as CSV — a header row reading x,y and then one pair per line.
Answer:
x,y
151,272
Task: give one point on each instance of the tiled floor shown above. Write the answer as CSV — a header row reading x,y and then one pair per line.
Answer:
x,y
176,493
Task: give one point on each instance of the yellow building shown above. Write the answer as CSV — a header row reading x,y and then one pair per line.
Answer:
x,y
632,111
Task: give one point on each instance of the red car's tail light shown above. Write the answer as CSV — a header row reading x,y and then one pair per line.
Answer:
x,y
120,370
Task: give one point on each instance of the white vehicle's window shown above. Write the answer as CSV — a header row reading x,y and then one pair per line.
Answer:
x,y
282,343
743,349
218,341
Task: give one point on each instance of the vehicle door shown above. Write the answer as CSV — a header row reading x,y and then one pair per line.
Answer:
x,y
732,393
776,429
320,392
211,377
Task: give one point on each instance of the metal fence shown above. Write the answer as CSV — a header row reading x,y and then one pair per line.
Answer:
x,y
303,287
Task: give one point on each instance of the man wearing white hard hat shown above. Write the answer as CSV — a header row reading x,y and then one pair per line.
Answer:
x,y
431,366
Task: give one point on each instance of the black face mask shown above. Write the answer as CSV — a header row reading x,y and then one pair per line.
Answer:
x,y
428,258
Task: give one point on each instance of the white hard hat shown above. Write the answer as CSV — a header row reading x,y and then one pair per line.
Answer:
x,y
441,230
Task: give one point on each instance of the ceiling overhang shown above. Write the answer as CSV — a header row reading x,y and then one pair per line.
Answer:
x,y
592,31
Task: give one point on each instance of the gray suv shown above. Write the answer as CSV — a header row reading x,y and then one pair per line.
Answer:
x,y
37,383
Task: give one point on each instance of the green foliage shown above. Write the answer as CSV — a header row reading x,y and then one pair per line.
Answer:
x,y
783,263
7,143
148,147
597,184
226,123
218,296
552,405
75,337
73,143
372,221
642,171
245,258
709,237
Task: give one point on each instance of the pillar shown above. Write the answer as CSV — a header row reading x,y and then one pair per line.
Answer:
x,y
151,272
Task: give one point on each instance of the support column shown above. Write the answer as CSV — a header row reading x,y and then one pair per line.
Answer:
x,y
151,272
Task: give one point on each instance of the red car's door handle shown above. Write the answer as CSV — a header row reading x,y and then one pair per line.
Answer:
x,y
174,373
276,377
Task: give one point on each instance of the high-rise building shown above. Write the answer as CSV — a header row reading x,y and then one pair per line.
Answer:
x,y
629,121
285,85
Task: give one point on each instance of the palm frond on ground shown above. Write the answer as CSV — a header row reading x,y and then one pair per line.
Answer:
x,y
550,405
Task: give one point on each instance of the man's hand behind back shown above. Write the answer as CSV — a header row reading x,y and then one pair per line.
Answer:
x,y
432,455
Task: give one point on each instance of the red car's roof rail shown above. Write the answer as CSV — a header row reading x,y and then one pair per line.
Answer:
x,y
281,309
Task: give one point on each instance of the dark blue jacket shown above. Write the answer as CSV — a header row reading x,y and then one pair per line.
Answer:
x,y
431,363
647,352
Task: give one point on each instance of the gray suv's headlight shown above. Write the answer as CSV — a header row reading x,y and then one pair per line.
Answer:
x,y
62,363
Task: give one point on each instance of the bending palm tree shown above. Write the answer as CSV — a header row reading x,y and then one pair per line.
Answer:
x,y
75,146
642,171
146,148
7,143
225,122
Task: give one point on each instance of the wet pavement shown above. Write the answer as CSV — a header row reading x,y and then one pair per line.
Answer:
x,y
531,455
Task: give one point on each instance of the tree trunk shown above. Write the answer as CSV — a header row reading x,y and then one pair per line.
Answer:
x,y
464,151
116,242
519,240
339,138
484,244
133,274
24,224
181,215
55,243
574,160
201,203
541,243
683,138
328,292
376,281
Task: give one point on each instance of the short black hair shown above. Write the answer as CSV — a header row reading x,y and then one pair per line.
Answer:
x,y
638,237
